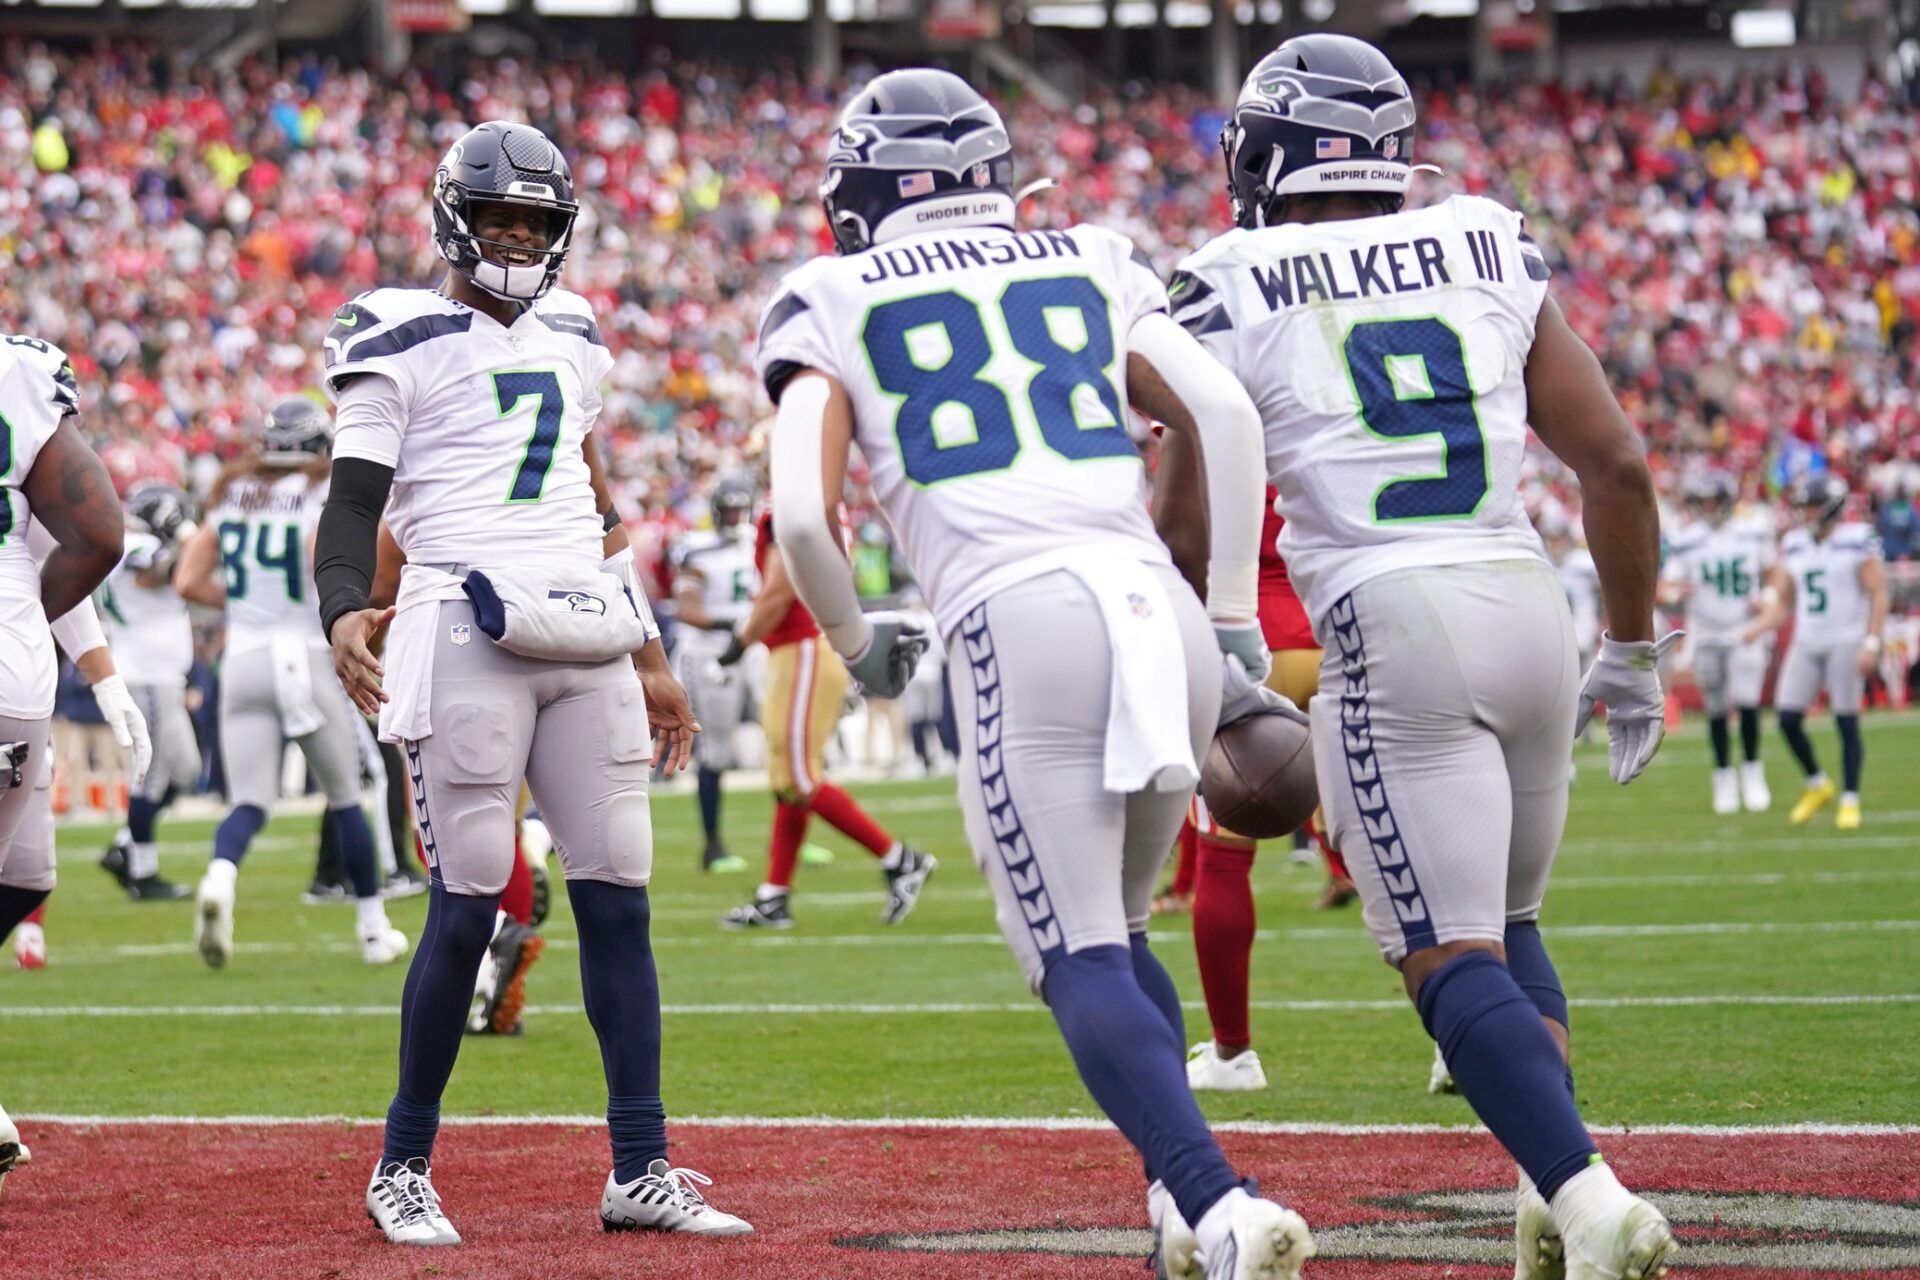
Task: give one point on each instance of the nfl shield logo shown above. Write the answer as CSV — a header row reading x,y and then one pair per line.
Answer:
x,y
1391,147
1141,608
982,174
460,633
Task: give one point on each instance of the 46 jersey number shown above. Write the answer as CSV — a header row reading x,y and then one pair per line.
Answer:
x,y
1064,371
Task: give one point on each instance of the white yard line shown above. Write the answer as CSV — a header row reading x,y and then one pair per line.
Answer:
x,y
1057,1124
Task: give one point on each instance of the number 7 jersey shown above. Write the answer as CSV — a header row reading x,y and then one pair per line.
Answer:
x,y
1387,357
987,370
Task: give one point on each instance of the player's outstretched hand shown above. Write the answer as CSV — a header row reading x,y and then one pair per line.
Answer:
x,y
1625,678
1241,697
129,727
671,717
1246,644
353,659
892,652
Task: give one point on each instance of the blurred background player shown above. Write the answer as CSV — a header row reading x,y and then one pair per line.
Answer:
x,y
988,387
1224,921
1831,574
147,627
1717,567
712,591
805,695
52,477
1451,689
253,557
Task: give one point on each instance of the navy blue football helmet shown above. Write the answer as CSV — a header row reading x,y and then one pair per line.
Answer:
x,y
1820,498
512,164
1321,113
1714,492
298,430
916,150
160,509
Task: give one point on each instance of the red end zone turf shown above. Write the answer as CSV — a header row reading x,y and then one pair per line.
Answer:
x,y
147,1200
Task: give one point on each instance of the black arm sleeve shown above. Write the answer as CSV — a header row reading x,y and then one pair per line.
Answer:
x,y
347,544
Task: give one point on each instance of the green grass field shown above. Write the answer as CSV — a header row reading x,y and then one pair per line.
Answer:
x,y
1741,971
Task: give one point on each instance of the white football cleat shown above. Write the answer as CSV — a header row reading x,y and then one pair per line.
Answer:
x,y
1753,788
1264,1241
1538,1253
1174,1248
1637,1245
384,947
1206,1069
12,1150
1439,1079
1726,792
666,1199
403,1204
213,918
29,946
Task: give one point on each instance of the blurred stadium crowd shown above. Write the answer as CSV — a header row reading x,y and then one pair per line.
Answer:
x,y
1745,256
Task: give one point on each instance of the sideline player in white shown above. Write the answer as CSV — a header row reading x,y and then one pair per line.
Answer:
x,y
713,579
987,376
516,636
1397,359
48,473
253,558
1832,572
1717,566
151,637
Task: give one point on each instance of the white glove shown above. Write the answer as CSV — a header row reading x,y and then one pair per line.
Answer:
x,y
1626,677
1241,697
893,651
128,725
1246,644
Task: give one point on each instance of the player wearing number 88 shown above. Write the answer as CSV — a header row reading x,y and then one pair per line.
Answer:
x,y
1397,359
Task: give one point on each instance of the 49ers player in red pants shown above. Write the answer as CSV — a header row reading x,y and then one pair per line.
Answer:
x,y
1223,917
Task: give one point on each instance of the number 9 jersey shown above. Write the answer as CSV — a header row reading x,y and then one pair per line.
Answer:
x,y
480,419
987,370
1387,357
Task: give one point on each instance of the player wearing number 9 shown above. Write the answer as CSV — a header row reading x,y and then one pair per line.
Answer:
x,y
1398,359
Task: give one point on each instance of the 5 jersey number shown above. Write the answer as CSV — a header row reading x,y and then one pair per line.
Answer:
x,y
1052,393
1410,377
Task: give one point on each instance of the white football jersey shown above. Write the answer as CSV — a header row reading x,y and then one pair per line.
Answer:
x,y
1724,570
1829,604
487,463
1387,357
987,373
37,392
724,561
266,525
1580,579
146,627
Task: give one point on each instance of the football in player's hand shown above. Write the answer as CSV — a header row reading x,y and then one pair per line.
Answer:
x,y
1258,777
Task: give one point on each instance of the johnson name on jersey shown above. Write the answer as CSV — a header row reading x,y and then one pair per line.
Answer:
x,y
987,372
1724,570
1830,606
1387,357
37,393
484,417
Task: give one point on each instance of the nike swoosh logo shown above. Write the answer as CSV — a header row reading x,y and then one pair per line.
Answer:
x,y
345,323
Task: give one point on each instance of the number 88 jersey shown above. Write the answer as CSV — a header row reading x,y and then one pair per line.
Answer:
x,y
1387,357
481,422
987,370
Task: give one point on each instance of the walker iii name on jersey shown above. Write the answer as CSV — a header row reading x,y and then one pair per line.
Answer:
x,y
489,415
1387,357
986,368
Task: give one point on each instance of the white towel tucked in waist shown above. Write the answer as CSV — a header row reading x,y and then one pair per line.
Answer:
x,y
1147,737
293,688
407,716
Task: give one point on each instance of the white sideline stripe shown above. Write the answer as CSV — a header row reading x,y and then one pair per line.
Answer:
x,y
1055,1124
893,1010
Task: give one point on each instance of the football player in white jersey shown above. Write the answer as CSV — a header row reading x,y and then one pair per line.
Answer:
x,y
146,624
987,375
47,472
465,414
1833,577
713,579
1397,359
1717,567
